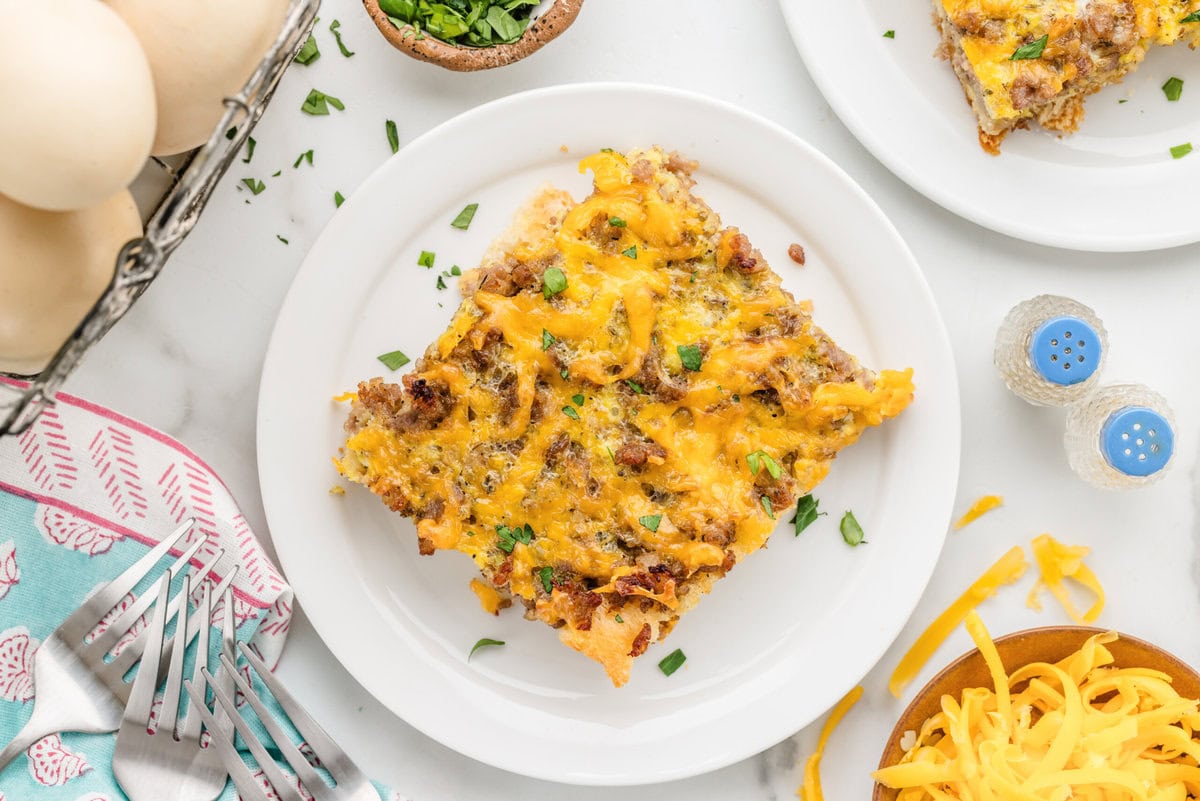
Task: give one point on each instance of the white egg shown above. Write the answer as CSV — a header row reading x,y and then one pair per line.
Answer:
x,y
54,265
78,116
200,52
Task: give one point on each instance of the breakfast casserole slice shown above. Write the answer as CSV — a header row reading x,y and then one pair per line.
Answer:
x,y
1036,60
623,407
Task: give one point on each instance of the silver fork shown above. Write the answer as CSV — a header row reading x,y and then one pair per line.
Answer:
x,y
350,783
76,689
170,763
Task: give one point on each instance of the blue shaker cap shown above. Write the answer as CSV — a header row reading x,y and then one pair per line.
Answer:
x,y
1065,350
1137,441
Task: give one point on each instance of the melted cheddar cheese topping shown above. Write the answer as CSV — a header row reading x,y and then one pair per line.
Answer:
x,y
1081,728
581,448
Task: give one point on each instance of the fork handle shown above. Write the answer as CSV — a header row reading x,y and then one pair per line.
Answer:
x,y
29,734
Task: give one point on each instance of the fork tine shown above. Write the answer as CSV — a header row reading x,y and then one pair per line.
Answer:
x,y
229,651
90,612
283,787
247,786
290,753
191,722
124,622
326,750
169,711
141,697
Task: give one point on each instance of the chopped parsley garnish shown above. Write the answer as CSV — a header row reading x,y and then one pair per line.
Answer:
x,y
317,103
338,199
806,513
690,356
767,506
547,339
281,239
577,399
509,537
760,459
463,221
307,155
441,282
455,269
889,34
737,398
564,373
1173,88
1193,17
1177,152
569,411
635,386
616,222
1031,50
232,132
651,521
852,532
612,457
480,23
250,143
672,662
394,360
545,574
553,282
607,150
308,52
619,619
426,259
393,136
277,173
254,185
484,642
337,35
630,252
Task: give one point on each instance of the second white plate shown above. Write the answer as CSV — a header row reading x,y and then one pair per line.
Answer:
x,y
1113,186
779,640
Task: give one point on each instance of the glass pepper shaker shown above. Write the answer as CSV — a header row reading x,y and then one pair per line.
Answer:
x,y
1122,436
1049,350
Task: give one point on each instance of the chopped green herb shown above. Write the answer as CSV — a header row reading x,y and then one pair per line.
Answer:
x,y
250,143
767,506
737,398
338,199
547,339
232,132
1173,88
484,642
1123,100
1177,152
441,283
394,360
672,662
477,23
553,282
545,574
308,52
651,521
607,150
564,373
630,252
470,533
569,411
1193,17
889,34
455,269
616,222
254,185
307,155
690,356
334,28
806,513
463,221
281,239
426,259
852,532
692,280
393,135
1031,50
760,459
619,619
507,538
635,386
317,103
611,455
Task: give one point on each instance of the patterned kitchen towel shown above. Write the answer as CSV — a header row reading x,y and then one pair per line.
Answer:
x,y
83,493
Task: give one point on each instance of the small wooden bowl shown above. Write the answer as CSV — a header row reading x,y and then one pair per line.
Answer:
x,y
1048,644
548,25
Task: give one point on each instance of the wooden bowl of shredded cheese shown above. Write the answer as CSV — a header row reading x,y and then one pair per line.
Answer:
x,y
1049,714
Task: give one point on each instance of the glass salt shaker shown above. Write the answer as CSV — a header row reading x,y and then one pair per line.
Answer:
x,y
1049,350
1122,436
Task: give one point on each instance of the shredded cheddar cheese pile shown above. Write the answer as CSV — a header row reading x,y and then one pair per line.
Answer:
x,y
1057,561
1082,728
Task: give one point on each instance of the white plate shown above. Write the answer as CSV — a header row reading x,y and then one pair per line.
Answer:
x,y
1112,186
780,639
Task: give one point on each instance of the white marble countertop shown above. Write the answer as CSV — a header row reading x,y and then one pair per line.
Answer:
x,y
187,360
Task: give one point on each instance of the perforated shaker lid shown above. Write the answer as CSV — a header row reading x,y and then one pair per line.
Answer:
x,y
1137,440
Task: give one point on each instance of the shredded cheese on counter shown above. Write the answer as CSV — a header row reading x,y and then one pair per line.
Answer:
x,y
1006,570
1082,728
1056,561
811,789
978,509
